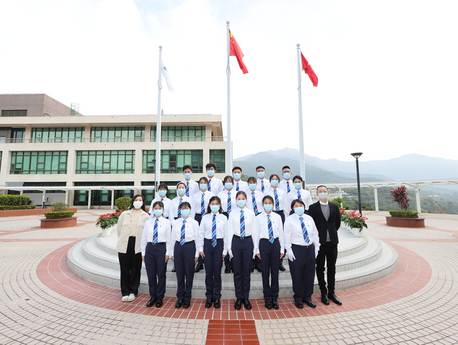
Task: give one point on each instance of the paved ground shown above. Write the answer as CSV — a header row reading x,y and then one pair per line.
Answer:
x,y
418,304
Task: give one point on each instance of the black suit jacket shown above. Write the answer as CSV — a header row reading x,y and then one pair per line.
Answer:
x,y
332,224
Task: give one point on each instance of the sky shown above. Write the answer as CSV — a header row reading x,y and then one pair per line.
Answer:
x,y
387,70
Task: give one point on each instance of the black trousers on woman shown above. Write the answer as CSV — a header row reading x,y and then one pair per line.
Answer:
x,y
213,262
270,252
155,268
303,272
131,266
242,251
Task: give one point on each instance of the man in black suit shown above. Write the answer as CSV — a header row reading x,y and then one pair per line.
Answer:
x,y
327,220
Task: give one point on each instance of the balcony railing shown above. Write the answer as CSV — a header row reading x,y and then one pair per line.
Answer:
x,y
110,140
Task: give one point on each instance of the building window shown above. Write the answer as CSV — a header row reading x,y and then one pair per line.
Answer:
x,y
38,162
14,112
43,184
101,197
17,135
149,194
179,133
149,162
58,135
218,157
117,134
105,162
172,161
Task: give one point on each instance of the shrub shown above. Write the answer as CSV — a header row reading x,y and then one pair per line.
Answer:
x,y
59,214
21,207
59,206
400,196
403,213
339,202
14,200
123,203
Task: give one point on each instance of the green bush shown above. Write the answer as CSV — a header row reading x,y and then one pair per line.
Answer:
x,y
59,206
403,213
123,203
14,200
339,202
59,214
21,207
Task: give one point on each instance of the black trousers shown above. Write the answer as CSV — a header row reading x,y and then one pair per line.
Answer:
x,y
329,252
155,269
269,264
282,215
198,218
184,265
242,251
130,264
302,272
213,263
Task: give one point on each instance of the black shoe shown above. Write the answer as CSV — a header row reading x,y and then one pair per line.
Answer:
x,y
299,304
324,299
150,303
174,269
199,267
247,304
259,269
268,303
334,298
282,268
159,303
217,303
310,304
179,303
238,304
275,304
252,269
209,302
186,304
227,270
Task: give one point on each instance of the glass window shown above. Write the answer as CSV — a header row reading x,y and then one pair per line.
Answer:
x,y
218,157
101,197
43,184
117,134
14,112
149,194
58,135
149,162
172,161
179,133
105,162
38,162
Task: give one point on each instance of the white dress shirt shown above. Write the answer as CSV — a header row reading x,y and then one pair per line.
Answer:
x,y
284,185
215,185
282,199
224,196
167,203
259,185
205,229
293,232
163,233
191,233
193,186
305,195
196,198
258,196
243,186
277,228
233,228
173,210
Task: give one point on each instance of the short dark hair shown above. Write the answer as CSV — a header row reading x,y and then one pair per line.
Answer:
x,y
187,166
228,177
235,168
285,167
203,178
253,179
185,203
164,186
213,198
321,185
298,177
184,184
241,192
260,167
210,165
295,201
268,197
274,175
160,203
133,199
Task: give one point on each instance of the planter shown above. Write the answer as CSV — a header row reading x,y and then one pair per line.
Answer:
x,y
405,222
356,232
30,212
54,223
106,232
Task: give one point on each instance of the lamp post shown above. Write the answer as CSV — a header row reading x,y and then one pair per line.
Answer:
x,y
357,155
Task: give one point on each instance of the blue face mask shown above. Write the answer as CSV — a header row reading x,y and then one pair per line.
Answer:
x,y
268,207
298,186
181,192
187,176
241,203
299,211
261,174
287,176
214,208
186,212
210,172
162,193
158,213
252,186
228,185
274,183
237,176
203,186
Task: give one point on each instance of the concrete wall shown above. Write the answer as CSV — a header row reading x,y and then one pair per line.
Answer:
x,y
35,104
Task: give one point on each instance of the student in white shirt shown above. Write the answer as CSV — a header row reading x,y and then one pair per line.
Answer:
x,y
302,245
191,186
184,253
214,184
212,232
271,248
298,193
174,211
286,184
279,196
161,196
239,185
262,184
228,202
254,197
240,245
155,252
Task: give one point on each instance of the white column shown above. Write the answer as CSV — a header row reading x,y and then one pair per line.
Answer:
x,y
66,196
417,195
89,199
44,198
376,199
112,198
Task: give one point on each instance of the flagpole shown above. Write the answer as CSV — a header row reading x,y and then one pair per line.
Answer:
x,y
229,134
158,126
301,126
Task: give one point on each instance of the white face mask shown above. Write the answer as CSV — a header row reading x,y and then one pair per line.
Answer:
x,y
323,196
138,204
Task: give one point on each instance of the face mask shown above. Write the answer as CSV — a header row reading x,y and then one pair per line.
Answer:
x,y
252,186
214,208
203,186
187,176
162,193
241,203
158,213
268,207
228,185
261,174
298,185
274,183
138,204
185,212
287,176
299,211
181,192
237,176
323,196
210,172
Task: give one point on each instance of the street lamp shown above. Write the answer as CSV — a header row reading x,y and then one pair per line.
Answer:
x,y
357,155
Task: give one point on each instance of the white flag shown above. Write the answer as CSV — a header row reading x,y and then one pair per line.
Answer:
x,y
166,75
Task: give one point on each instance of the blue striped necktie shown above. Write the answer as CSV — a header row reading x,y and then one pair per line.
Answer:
x,y
209,185
287,186
262,185
271,232
304,231
299,195
187,188
202,205
183,233
237,188
229,204
253,200
155,232
242,224
214,231
277,203
179,211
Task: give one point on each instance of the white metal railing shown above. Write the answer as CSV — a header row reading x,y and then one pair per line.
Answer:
x,y
111,140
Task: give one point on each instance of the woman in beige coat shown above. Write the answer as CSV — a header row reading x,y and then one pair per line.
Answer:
x,y
130,230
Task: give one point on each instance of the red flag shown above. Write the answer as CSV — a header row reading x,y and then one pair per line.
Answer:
x,y
237,52
308,69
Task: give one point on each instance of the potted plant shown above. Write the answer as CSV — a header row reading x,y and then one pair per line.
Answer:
x,y
59,217
108,222
353,220
59,210
403,218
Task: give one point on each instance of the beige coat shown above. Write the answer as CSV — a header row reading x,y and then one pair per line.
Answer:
x,y
123,229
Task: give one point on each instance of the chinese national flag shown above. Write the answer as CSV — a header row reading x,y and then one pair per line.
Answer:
x,y
308,69
237,52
